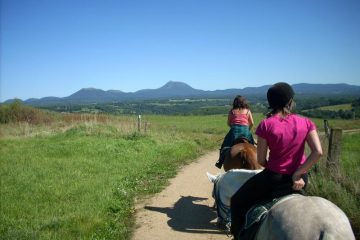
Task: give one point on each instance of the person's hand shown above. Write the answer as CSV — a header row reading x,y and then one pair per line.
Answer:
x,y
298,182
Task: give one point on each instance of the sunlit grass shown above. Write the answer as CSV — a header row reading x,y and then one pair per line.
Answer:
x,y
341,185
336,107
77,177
81,182
344,124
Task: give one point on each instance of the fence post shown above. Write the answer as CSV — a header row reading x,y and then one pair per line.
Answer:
x,y
334,149
139,123
326,128
146,126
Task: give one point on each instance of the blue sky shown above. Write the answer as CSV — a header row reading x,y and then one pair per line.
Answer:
x,y
56,47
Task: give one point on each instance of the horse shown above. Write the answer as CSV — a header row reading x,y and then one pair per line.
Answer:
x,y
242,155
225,186
292,217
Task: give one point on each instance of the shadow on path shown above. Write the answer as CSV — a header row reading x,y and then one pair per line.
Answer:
x,y
189,216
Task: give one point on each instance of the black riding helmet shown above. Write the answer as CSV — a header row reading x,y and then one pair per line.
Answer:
x,y
279,95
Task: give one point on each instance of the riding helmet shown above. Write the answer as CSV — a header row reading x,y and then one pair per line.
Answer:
x,y
279,95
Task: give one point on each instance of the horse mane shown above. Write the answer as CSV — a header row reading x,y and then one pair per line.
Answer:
x,y
242,156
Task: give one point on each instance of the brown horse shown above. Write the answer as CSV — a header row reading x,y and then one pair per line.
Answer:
x,y
242,155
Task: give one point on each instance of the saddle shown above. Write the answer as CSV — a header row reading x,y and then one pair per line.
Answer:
x,y
242,139
256,215
225,149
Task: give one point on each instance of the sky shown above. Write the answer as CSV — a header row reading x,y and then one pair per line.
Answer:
x,y
57,47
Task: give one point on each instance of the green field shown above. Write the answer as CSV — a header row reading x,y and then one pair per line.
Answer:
x,y
78,176
80,181
336,107
337,123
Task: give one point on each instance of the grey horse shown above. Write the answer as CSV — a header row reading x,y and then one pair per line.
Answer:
x,y
293,217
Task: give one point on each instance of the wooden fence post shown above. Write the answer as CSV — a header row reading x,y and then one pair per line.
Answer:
x,y
146,126
139,123
334,149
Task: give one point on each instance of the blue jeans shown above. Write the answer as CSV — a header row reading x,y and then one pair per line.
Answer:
x,y
235,132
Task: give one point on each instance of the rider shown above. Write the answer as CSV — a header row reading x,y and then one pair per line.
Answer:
x,y
285,135
240,121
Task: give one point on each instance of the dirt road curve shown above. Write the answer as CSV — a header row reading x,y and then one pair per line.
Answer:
x,y
184,209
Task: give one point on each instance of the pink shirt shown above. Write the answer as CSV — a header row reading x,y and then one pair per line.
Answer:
x,y
286,139
235,118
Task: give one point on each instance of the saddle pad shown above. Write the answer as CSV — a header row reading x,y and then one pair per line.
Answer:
x,y
259,211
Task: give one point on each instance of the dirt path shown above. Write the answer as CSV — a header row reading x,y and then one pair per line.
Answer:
x,y
184,209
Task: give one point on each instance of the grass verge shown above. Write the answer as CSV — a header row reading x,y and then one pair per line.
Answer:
x,y
81,183
341,186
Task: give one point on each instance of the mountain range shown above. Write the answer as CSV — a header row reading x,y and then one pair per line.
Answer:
x,y
173,90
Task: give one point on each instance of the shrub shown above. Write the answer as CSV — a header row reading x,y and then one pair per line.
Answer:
x,y
18,112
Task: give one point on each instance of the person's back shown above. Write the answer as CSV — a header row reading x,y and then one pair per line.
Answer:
x,y
286,138
239,116
240,121
285,135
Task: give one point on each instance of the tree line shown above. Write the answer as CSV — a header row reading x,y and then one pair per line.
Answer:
x,y
308,106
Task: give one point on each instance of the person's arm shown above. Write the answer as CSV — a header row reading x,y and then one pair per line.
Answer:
x,y
262,148
250,119
316,152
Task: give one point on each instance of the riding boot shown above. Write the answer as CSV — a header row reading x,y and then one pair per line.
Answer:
x,y
220,162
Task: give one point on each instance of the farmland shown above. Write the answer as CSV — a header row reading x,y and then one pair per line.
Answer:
x,y
71,176
336,107
80,178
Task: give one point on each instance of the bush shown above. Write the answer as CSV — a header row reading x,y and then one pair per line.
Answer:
x,y
18,112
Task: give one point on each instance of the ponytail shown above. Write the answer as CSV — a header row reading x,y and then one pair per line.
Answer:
x,y
286,110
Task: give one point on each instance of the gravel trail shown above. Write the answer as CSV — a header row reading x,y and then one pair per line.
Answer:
x,y
184,210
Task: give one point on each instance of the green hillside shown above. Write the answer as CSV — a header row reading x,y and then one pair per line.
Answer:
x,y
338,107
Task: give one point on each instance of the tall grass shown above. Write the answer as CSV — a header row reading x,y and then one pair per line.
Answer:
x,y
341,185
81,182
17,112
